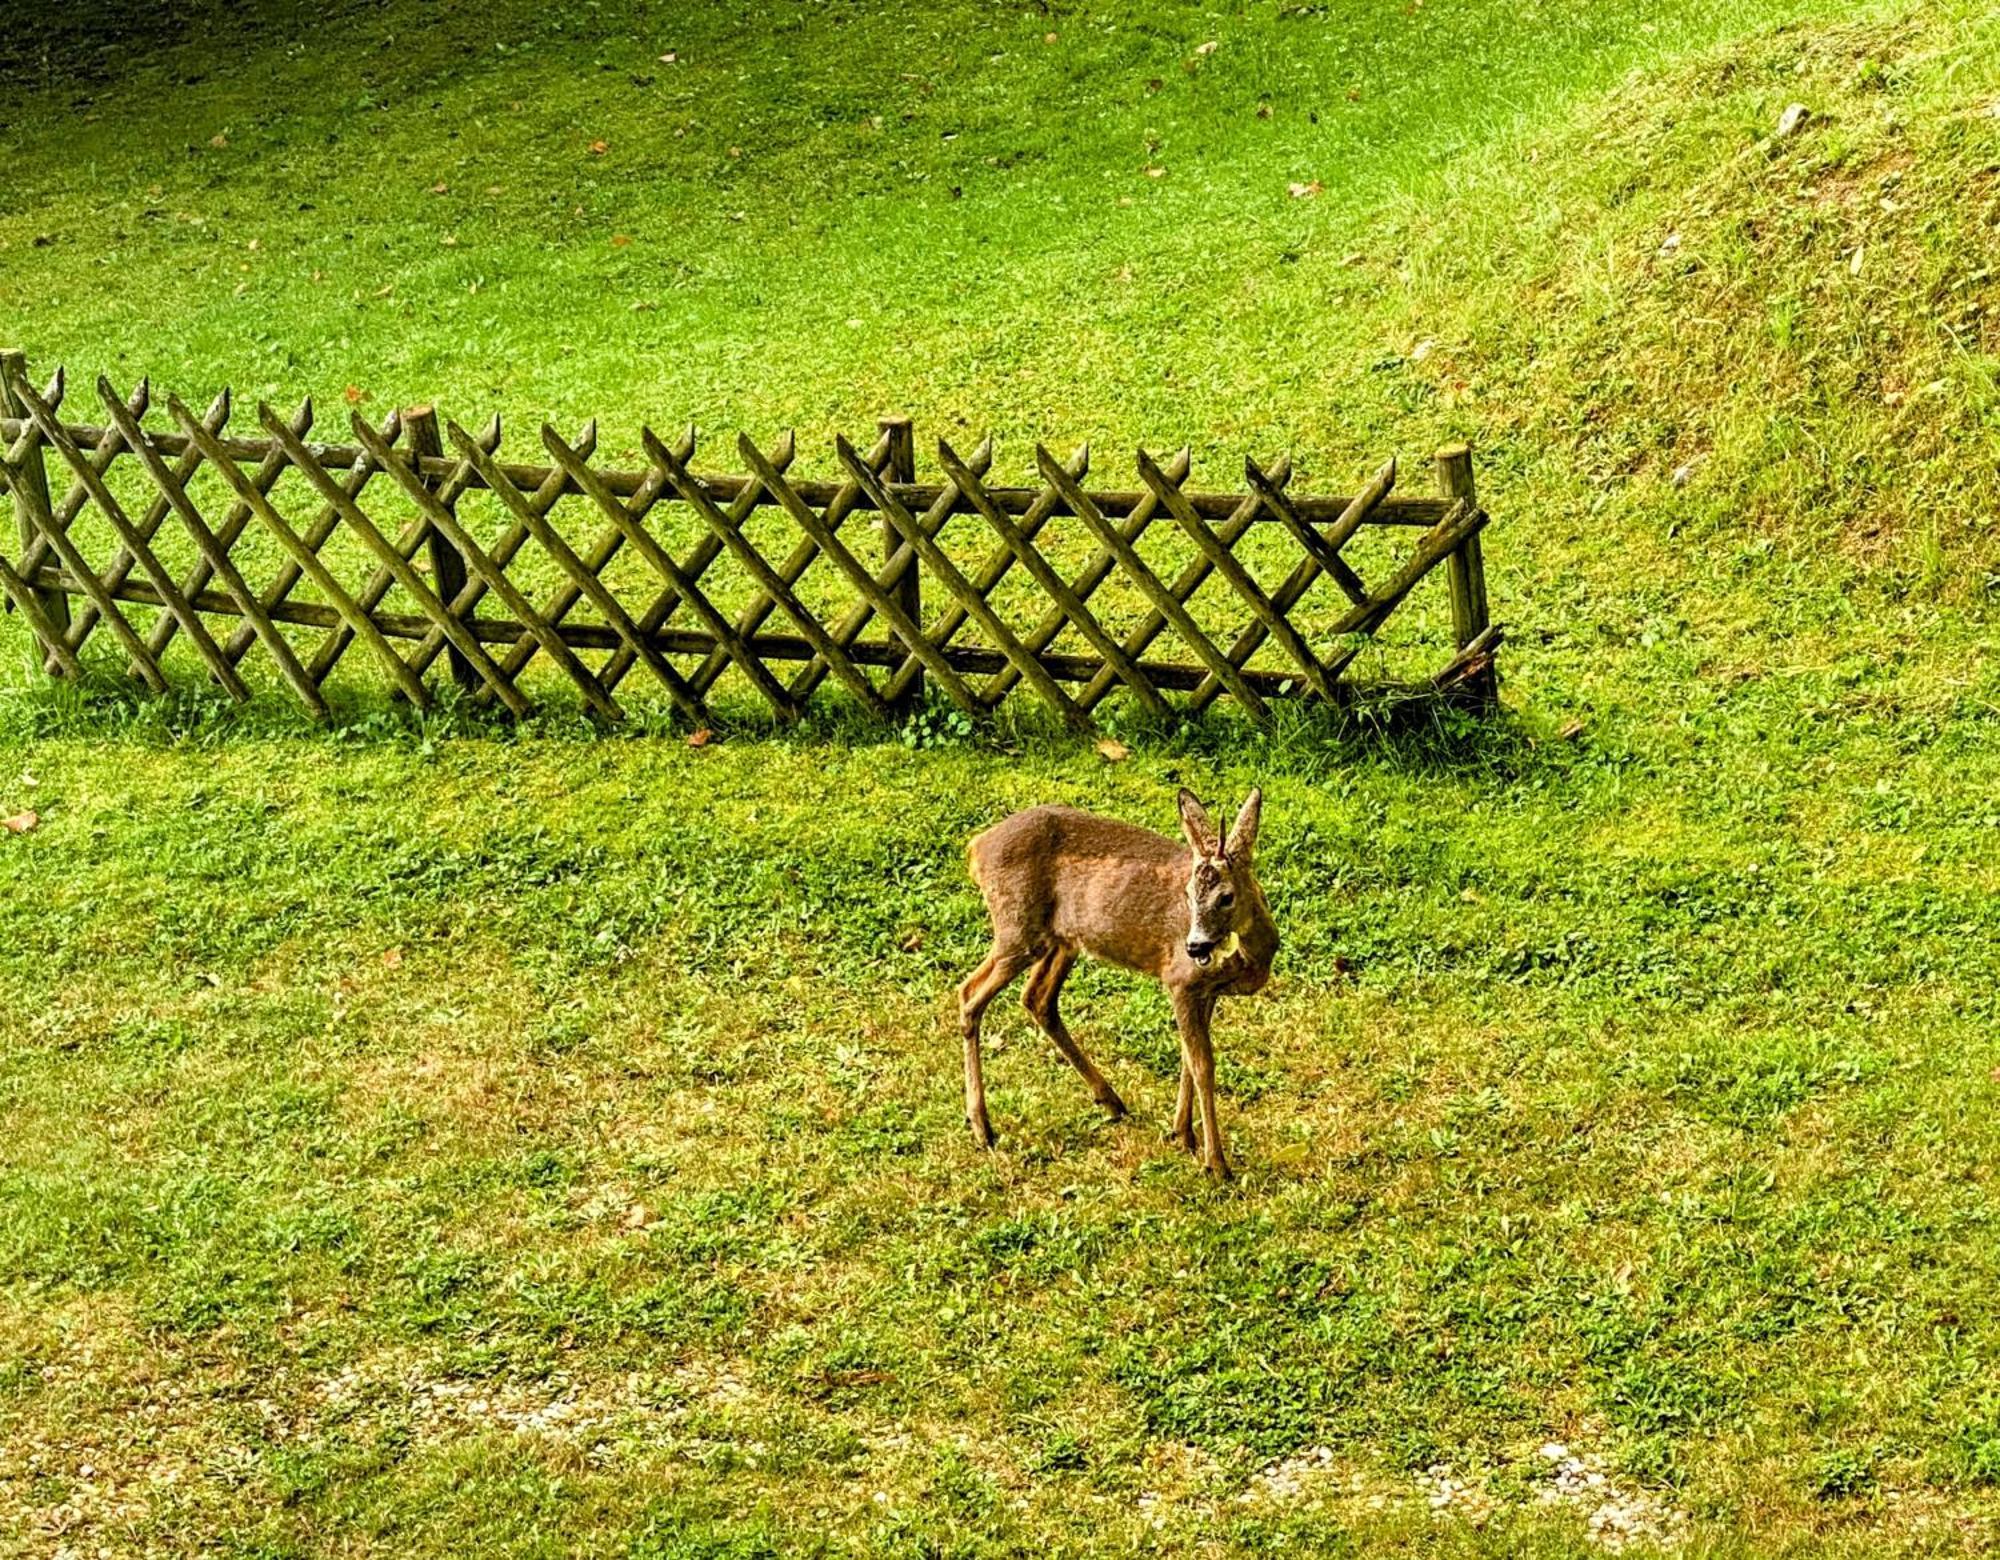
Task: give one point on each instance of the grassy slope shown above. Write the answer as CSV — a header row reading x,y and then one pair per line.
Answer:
x,y
1653,1110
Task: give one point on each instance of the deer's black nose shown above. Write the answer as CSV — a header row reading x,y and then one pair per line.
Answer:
x,y
1199,948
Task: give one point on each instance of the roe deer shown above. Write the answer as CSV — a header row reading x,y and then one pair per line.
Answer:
x,y
1058,881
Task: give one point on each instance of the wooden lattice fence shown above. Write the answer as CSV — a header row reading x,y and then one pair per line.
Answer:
x,y
425,538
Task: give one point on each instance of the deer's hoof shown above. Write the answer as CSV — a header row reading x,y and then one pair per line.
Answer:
x,y
982,1134
1114,1107
1219,1171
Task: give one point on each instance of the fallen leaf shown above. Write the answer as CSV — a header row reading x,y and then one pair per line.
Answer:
x,y
22,822
440,188
1570,732
599,148
1155,84
355,395
638,1216
670,57
1114,751
450,241
735,151
1854,265
1304,191
1048,37
392,957
218,140
700,737
913,939
1156,173
1263,110
619,240
1206,48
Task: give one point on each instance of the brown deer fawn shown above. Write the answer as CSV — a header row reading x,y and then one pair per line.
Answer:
x,y
1058,882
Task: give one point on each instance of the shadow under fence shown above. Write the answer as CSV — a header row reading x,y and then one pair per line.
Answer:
x,y
420,543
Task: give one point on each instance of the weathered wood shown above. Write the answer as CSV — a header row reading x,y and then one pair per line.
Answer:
x,y
1409,511
971,660
28,599
1094,573
212,553
1164,601
234,520
1467,568
994,570
372,538
946,573
1239,578
382,581
1295,585
1185,584
27,478
757,612
58,437
322,525
878,596
477,559
1320,549
1052,583
502,552
731,536
902,467
904,559
461,574
663,564
101,455
303,556
448,574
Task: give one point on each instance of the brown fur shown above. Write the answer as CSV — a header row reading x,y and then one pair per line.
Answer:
x,y
1059,882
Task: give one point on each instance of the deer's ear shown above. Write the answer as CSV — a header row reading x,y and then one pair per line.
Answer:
x,y
1194,822
1243,836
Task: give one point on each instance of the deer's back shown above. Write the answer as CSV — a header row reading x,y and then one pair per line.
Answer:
x,y
1097,883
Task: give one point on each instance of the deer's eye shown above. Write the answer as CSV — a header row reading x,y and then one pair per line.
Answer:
x,y
1226,900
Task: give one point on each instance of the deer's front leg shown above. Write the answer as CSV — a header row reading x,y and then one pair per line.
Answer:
x,y
1183,1133
1198,1061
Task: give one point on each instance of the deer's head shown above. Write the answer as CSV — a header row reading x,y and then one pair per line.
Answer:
x,y
1222,883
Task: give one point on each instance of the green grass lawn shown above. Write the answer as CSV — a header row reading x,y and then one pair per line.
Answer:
x,y
422,1137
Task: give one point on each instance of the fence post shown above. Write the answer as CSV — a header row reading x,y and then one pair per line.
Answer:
x,y
1466,567
420,424
33,490
909,589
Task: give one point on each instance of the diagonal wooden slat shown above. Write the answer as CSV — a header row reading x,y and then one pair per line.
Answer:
x,y
83,575
48,633
1043,575
946,573
894,575
552,487
323,524
408,540
1186,583
1092,575
174,491
307,560
103,454
642,542
990,573
234,521
24,468
1288,594
1318,548
128,535
1164,601
877,595
521,507
767,578
412,583
1432,547
1239,578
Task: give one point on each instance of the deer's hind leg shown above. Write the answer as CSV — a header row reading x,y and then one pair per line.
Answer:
x,y
1044,988
974,996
